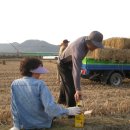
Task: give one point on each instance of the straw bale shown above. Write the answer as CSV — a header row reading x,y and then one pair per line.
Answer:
x,y
117,42
104,54
90,54
127,55
120,55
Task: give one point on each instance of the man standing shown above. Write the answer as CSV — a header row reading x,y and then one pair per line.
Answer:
x,y
63,46
70,66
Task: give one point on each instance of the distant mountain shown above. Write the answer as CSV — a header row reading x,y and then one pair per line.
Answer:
x,y
29,46
7,48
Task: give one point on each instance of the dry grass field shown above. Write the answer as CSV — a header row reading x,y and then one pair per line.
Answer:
x,y
110,105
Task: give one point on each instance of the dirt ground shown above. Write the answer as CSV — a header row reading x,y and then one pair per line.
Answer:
x,y
110,105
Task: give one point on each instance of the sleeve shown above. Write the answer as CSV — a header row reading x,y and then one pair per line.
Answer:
x,y
14,109
51,107
77,61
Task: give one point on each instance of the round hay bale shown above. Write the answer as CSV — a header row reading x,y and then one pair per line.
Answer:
x,y
117,42
127,55
90,54
103,54
127,43
119,55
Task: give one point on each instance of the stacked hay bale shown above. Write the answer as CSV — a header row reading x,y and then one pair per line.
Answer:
x,y
115,49
118,43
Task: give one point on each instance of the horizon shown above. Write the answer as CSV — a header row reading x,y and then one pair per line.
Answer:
x,y
54,21
51,43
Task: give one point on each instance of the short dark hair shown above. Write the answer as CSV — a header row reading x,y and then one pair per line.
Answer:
x,y
28,64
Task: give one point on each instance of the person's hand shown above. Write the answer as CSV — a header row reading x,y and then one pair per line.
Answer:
x,y
14,128
74,110
78,95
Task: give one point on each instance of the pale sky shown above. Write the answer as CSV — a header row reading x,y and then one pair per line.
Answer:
x,y
55,20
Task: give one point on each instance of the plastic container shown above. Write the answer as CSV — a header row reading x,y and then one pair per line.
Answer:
x,y
79,119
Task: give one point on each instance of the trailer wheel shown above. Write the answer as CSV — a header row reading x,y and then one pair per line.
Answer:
x,y
115,79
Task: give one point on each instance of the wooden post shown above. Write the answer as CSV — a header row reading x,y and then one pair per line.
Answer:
x,y
3,62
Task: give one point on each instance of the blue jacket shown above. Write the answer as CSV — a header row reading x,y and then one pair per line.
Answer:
x,y
32,104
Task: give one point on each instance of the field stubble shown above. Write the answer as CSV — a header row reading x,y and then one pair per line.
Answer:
x,y
104,100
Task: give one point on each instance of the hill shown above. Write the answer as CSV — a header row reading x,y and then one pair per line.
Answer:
x,y
28,46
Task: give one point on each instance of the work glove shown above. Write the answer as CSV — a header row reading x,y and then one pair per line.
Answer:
x,y
74,110
14,128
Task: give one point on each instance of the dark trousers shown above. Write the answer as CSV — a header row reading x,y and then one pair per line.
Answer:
x,y
67,88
